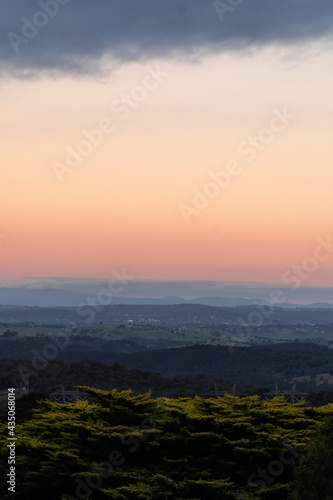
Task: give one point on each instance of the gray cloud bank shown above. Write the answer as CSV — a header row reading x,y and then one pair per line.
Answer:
x,y
76,35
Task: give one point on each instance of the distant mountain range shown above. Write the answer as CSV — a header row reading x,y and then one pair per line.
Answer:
x,y
54,297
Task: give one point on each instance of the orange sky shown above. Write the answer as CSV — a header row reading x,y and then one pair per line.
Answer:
x,y
124,204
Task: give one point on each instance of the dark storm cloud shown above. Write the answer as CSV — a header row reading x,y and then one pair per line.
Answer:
x,y
75,35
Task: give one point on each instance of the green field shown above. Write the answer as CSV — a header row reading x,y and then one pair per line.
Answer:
x,y
150,335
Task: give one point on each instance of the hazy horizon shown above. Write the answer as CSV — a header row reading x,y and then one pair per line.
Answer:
x,y
121,286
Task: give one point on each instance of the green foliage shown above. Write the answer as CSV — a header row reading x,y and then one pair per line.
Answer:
x,y
314,473
124,446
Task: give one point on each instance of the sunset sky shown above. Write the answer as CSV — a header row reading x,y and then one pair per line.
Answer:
x,y
181,96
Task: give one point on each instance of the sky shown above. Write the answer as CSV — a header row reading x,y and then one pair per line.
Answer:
x,y
182,140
